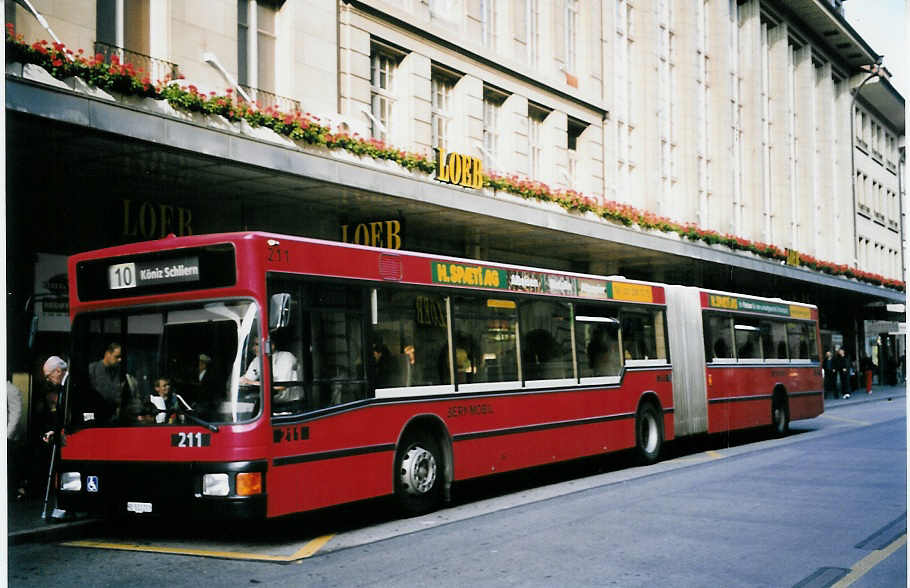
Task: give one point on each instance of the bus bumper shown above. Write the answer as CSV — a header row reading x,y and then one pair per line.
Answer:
x,y
158,489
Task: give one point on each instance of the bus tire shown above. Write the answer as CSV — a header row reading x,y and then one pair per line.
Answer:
x,y
780,415
649,438
419,475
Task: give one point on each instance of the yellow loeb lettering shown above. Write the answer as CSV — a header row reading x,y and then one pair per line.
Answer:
x,y
454,161
478,174
442,171
466,167
393,234
376,233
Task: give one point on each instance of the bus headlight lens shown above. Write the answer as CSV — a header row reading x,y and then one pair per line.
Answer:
x,y
71,481
249,483
215,485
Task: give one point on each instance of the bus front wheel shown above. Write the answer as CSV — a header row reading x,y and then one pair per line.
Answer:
x,y
648,433
418,475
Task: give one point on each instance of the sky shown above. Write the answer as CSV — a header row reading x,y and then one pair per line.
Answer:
x,y
883,24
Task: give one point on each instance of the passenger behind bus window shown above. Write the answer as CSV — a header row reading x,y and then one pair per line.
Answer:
x,y
383,370
105,379
603,353
412,368
284,372
162,405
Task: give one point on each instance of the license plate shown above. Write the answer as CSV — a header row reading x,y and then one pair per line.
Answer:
x,y
139,507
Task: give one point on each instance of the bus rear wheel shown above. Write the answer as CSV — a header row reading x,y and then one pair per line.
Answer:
x,y
780,415
649,438
418,475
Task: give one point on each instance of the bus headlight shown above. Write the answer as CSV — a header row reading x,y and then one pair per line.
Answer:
x,y
215,485
70,481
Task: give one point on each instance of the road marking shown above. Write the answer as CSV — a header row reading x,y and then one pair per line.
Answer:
x,y
864,423
308,550
870,561
714,454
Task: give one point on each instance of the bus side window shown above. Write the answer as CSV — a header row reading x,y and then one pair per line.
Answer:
x,y
486,339
407,336
718,338
597,341
546,342
643,334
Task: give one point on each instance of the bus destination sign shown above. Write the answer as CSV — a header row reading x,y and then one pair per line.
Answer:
x,y
152,273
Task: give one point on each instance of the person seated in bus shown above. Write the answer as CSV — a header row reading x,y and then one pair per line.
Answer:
x,y
413,371
603,357
382,368
721,349
162,405
284,369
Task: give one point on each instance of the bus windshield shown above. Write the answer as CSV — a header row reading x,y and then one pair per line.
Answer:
x,y
168,365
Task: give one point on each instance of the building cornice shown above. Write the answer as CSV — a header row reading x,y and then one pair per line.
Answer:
x,y
212,137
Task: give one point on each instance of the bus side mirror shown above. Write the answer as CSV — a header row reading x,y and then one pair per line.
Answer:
x,y
279,311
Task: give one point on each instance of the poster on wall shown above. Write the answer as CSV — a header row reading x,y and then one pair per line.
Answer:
x,y
52,307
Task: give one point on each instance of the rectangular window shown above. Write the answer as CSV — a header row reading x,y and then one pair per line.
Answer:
x,y
571,35
485,336
801,339
492,102
643,336
597,341
774,340
546,341
535,143
747,333
382,78
408,339
256,64
318,357
719,338
488,23
441,92
574,131
532,18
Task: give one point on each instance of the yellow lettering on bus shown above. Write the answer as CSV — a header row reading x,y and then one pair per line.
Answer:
x,y
718,301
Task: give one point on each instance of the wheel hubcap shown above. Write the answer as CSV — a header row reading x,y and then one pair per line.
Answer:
x,y
418,471
649,434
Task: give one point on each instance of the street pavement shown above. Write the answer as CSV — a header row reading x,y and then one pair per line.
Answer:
x,y
25,523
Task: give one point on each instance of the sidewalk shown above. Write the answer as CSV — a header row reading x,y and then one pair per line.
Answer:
x,y
24,522
879,393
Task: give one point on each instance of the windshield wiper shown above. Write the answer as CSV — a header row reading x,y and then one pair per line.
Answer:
x,y
188,411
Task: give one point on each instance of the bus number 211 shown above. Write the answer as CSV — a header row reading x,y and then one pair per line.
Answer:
x,y
182,439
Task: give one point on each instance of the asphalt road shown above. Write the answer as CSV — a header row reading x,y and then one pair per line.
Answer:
x,y
825,504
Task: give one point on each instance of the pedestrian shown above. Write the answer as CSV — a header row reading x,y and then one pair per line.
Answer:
x,y
15,426
830,374
842,367
866,366
56,374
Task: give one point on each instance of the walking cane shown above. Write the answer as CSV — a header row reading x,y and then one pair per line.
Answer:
x,y
50,478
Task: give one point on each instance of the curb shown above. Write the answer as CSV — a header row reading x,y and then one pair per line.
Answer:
x,y
52,532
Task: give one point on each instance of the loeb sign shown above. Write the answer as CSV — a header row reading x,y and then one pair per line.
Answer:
x,y
455,168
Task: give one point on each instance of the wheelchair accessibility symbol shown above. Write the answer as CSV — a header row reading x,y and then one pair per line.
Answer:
x,y
91,483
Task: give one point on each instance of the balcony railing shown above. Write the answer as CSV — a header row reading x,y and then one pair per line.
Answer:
x,y
266,100
156,69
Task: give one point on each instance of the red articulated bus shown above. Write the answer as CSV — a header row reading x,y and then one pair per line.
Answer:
x,y
263,375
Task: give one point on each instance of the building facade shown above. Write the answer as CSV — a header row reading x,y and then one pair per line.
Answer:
x,y
737,117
